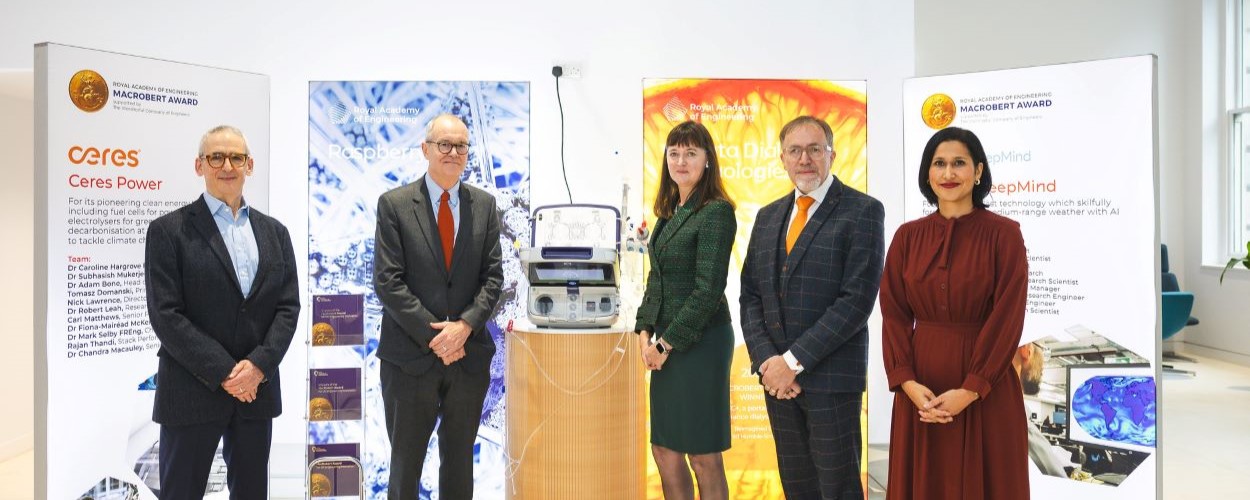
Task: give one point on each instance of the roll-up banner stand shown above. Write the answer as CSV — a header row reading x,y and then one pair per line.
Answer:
x,y
745,118
1072,150
116,140
364,138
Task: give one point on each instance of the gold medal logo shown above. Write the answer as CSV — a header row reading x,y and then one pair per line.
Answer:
x,y
322,334
320,409
319,485
938,111
88,90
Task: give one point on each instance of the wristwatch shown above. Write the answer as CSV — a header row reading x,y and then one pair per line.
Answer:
x,y
659,347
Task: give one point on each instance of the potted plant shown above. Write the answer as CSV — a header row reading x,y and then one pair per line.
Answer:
x,y
1244,261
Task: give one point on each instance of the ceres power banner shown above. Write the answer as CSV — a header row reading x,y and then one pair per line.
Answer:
x,y
117,138
745,118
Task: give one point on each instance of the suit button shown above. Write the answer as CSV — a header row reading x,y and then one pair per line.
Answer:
x,y
785,267
943,286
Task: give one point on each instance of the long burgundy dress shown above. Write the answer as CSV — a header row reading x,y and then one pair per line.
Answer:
x,y
953,298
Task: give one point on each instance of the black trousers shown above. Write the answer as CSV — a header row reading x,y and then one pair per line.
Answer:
x,y
818,445
413,406
187,453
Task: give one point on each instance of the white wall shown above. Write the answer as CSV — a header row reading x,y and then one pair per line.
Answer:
x,y
616,44
17,366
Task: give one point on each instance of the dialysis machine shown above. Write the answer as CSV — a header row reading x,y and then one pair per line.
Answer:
x,y
572,266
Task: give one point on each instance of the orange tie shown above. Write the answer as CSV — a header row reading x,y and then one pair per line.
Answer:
x,y
800,218
447,226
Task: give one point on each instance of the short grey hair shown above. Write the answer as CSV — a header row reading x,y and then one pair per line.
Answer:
x,y
229,129
808,120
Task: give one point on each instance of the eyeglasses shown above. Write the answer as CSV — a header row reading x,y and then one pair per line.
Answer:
x,y
218,160
814,151
446,147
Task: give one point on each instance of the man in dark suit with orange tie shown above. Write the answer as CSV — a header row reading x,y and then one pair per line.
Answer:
x,y
223,298
809,281
438,274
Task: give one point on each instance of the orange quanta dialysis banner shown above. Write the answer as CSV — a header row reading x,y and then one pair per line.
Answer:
x,y
745,118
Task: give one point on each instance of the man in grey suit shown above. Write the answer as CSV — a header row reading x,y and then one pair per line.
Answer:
x,y
809,281
438,273
223,298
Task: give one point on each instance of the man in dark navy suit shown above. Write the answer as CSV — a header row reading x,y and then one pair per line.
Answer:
x,y
809,281
223,298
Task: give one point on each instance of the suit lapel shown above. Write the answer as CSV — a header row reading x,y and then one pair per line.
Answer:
x,y
770,232
202,219
429,226
464,233
811,228
670,229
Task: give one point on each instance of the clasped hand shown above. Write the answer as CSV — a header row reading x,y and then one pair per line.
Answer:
x,y
243,381
938,409
651,357
448,345
778,379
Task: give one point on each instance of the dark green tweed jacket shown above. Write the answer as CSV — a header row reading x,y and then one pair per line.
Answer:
x,y
689,262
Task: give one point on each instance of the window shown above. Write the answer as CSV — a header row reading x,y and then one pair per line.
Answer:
x,y
1238,174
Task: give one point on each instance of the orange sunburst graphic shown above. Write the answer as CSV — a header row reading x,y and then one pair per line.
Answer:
x,y
745,118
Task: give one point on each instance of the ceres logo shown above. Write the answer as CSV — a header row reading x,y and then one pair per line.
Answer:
x,y
79,155
938,111
88,90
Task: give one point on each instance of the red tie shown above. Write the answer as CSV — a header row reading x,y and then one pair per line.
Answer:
x,y
446,226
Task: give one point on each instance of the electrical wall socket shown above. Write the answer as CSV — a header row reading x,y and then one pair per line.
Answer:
x,y
570,70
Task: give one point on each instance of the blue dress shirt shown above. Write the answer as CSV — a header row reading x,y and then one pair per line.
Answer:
x,y
239,239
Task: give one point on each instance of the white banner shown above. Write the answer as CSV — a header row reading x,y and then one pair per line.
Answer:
x,y
1071,150
116,140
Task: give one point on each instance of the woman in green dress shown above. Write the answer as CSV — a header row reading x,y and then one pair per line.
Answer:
x,y
685,332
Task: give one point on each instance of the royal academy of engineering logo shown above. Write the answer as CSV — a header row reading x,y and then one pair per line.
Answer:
x,y
339,114
938,111
675,110
88,90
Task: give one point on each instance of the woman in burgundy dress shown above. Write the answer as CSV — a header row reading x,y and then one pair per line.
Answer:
x,y
952,298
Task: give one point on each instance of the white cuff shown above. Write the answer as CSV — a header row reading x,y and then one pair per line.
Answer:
x,y
792,362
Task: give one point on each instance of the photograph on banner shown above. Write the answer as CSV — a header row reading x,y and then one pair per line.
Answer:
x,y
1091,405
1071,151
745,118
364,139
122,135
